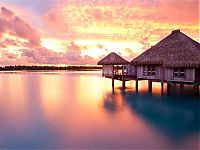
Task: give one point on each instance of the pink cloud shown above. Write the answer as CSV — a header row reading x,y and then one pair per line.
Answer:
x,y
31,52
6,13
15,26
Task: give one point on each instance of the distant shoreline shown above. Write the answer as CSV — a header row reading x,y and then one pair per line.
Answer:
x,y
50,68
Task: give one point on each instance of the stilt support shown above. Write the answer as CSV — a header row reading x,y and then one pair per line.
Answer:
x,y
136,85
162,87
113,83
123,84
113,90
150,85
168,87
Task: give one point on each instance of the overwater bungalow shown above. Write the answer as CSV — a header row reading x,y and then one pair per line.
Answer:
x,y
175,59
116,67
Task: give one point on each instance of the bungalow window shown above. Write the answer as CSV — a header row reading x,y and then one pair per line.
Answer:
x,y
179,72
145,71
149,70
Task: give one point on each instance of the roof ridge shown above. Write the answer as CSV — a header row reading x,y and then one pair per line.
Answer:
x,y
113,59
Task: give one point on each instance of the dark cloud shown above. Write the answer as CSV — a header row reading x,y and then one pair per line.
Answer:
x,y
28,53
6,12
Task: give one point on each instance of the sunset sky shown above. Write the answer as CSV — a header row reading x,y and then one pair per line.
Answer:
x,y
58,32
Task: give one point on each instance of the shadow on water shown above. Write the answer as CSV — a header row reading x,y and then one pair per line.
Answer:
x,y
174,114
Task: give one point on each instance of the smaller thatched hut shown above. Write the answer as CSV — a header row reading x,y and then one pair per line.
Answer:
x,y
113,64
176,58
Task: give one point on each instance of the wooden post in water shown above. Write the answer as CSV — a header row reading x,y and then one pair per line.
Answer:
x,y
196,90
113,81
113,90
162,87
150,85
122,71
123,81
123,84
136,85
168,87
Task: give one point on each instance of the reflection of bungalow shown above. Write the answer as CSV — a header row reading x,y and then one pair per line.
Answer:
x,y
167,116
175,59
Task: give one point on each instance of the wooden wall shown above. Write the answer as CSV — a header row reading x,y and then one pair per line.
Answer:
x,y
189,75
131,70
158,74
107,70
166,74
139,71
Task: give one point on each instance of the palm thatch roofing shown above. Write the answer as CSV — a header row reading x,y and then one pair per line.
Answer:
x,y
176,50
113,59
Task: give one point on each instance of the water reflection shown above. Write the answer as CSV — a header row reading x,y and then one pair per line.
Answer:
x,y
175,114
114,100
80,110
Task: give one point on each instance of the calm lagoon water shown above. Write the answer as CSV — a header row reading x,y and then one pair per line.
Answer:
x,y
80,110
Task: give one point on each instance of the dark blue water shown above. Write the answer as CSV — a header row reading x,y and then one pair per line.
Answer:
x,y
54,110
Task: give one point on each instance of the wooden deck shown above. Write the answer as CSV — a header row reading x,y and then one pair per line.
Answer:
x,y
123,78
134,77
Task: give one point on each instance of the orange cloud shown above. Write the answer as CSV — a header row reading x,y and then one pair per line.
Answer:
x,y
114,20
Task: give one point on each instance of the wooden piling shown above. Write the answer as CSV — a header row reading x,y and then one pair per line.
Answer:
x,y
113,83
123,84
136,85
168,87
113,90
150,85
162,87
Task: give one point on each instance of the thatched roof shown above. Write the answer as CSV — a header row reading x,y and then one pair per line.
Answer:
x,y
113,59
176,50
